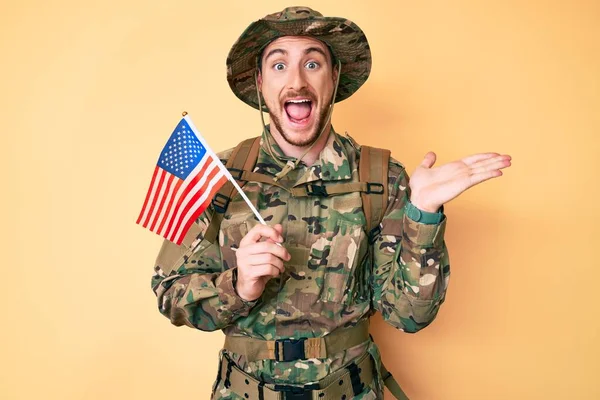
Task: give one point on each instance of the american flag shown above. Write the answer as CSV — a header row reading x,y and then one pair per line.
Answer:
x,y
185,179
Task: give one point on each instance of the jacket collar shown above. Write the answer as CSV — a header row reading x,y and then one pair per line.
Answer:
x,y
331,165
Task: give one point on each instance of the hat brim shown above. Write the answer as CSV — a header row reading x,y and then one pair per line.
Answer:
x,y
345,39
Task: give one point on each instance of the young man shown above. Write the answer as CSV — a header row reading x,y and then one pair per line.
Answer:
x,y
294,297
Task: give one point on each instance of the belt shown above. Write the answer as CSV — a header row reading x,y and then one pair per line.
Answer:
x,y
345,383
298,349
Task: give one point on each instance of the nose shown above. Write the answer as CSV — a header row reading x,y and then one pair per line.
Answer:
x,y
297,79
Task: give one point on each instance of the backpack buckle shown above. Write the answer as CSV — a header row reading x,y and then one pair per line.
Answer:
x,y
374,188
220,203
236,173
317,190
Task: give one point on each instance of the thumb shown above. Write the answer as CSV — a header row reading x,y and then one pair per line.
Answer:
x,y
429,160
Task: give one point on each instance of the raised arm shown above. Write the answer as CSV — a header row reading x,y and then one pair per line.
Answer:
x,y
411,265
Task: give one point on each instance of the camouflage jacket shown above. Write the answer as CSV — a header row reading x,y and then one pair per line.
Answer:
x,y
328,283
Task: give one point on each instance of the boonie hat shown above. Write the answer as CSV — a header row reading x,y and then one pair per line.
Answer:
x,y
345,39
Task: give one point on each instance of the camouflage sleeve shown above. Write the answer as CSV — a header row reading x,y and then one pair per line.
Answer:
x,y
193,289
411,266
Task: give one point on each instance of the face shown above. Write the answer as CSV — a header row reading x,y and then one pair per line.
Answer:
x,y
297,83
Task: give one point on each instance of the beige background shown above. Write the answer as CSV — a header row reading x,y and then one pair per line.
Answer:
x,y
90,91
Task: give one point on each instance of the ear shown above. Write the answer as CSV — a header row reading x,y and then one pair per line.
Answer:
x,y
259,80
334,76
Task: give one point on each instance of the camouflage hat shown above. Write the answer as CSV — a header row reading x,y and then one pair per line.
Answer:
x,y
346,40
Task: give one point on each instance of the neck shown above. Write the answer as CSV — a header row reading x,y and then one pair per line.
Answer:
x,y
291,150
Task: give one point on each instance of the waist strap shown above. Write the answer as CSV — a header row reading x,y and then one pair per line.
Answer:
x,y
345,383
298,349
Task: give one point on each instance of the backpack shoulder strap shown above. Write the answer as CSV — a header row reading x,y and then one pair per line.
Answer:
x,y
373,168
243,158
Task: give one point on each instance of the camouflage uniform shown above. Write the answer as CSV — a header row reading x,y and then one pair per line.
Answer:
x,y
328,283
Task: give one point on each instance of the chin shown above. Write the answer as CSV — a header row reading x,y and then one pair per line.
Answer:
x,y
299,139
297,134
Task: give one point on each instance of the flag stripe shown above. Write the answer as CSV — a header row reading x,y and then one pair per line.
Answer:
x,y
197,198
178,198
165,217
198,186
163,197
200,197
183,195
157,188
158,198
199,207
148,195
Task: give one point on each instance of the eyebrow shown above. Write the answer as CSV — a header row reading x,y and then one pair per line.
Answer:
x,y
318,50
275,51
307,51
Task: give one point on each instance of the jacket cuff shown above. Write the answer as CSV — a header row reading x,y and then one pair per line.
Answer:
x,y
229,297
424,235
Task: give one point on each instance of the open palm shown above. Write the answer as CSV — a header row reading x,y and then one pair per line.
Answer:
x,y
431,187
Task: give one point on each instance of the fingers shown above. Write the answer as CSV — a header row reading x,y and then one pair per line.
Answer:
x,y
265,259
260,231
429,160
484,176
495,163
254,255
265,247
470,160
267,270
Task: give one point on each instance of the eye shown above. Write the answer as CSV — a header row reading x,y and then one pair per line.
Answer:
x,y
312,65
279,66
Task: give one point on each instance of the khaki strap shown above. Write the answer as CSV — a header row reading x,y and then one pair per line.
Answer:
x,y
309,189
250,176
392,385
322,347
337,385
330,190
373,167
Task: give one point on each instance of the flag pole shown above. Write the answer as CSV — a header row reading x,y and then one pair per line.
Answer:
x,y
241,192
247,200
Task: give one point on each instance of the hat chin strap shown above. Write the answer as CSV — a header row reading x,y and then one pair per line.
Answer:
x,y
291,165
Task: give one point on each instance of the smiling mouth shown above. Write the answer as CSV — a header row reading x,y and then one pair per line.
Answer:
x,y
299,111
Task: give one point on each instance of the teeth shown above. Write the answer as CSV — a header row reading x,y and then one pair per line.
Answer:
x,y
298,101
